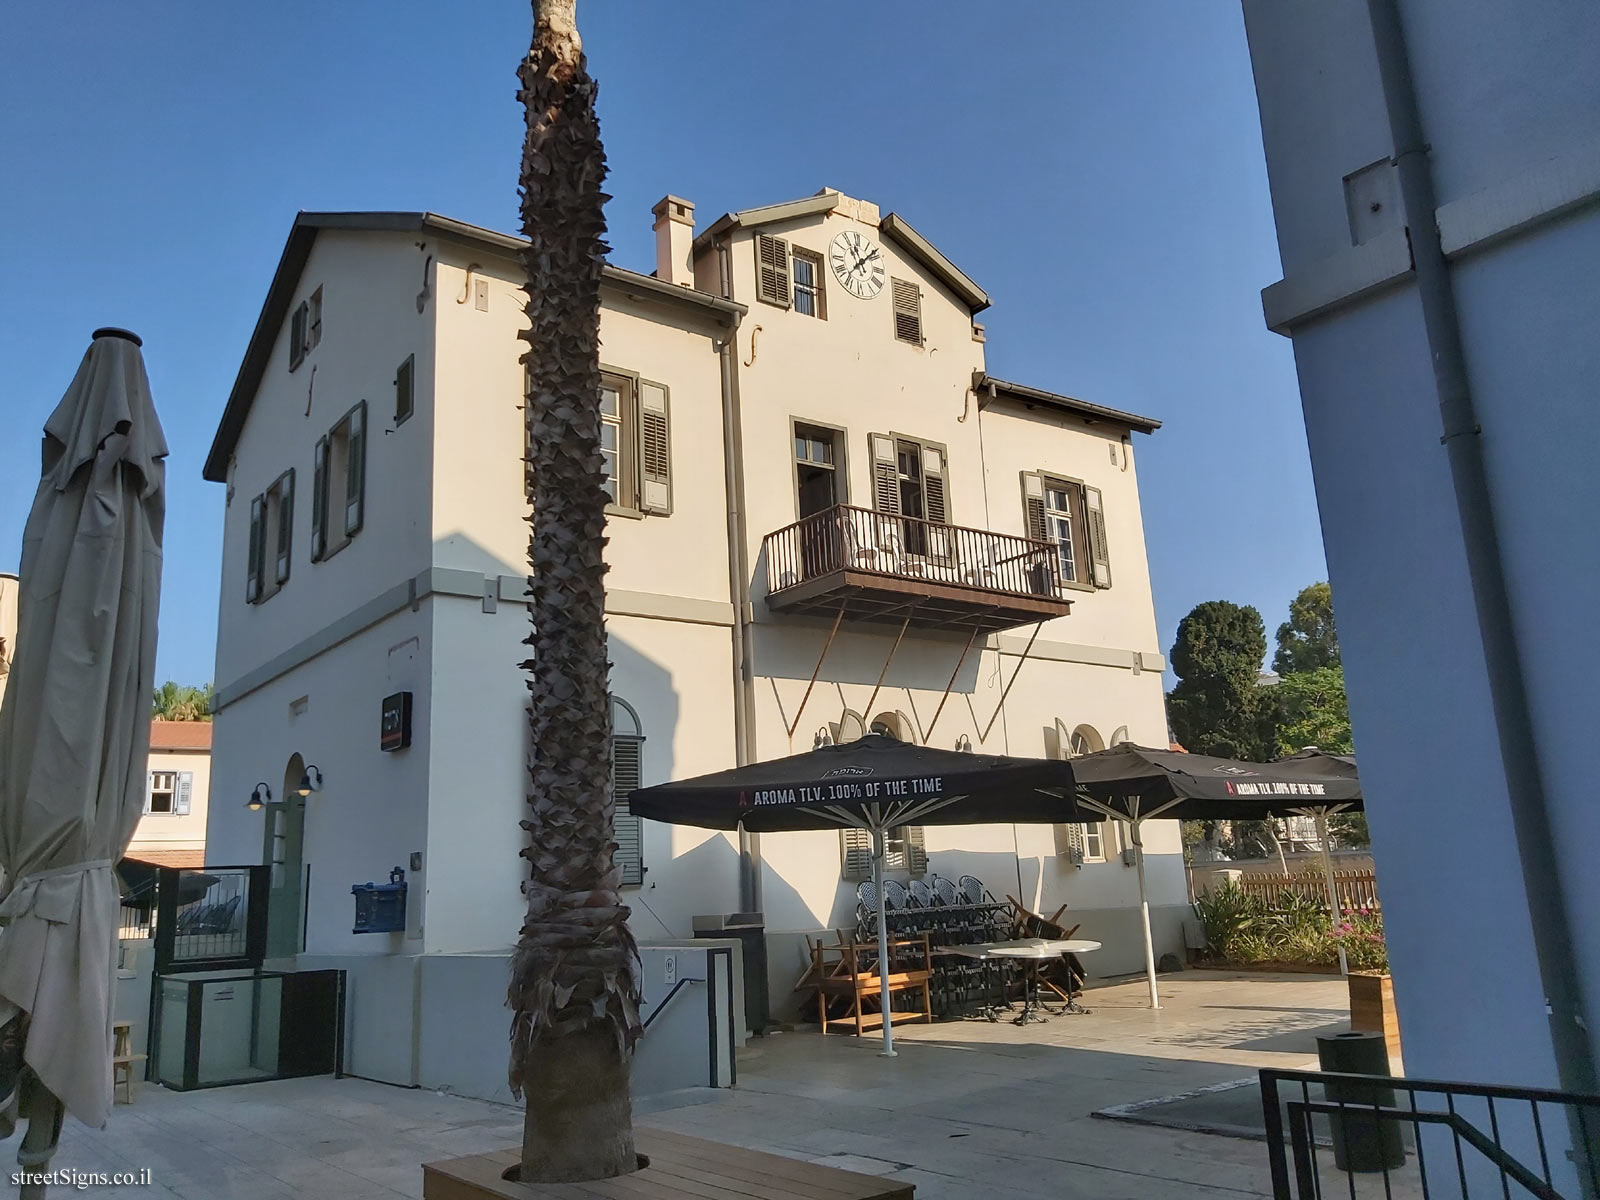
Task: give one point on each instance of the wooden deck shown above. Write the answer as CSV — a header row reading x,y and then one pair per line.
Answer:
x,y
680,1167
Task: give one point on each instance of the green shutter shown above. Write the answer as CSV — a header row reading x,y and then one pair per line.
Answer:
x,y
355,475
907,305
936,497
405,390
885,474
252,585
626,755
1099,551
1033,505
916,850
856,845
284,550
319,500
772,270
655,449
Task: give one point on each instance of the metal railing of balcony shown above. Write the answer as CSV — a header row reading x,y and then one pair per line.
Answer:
x,y
846,538
1461,1139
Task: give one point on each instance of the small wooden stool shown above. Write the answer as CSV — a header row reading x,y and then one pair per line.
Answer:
x,y
122,1059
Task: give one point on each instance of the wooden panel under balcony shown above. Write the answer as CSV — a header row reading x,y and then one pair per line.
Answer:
x,y
880,566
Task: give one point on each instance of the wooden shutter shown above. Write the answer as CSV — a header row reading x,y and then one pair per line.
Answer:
x,y
1095,520
252,585
916,850
355,471
319,500
284,551
857,847
626,754
297,336
1069,843
772,270
907,311
405,395
885,474
1033,506
655,449
149,789
182,792
936,499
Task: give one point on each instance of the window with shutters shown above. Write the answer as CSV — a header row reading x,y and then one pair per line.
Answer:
x,y
162,792
809,298
772,270
305,328
910,477
338,503
405,390
636,443
903,850
906,300
627,752
271,540
1070,515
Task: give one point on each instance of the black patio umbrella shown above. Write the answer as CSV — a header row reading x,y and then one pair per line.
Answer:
x,y
875,783
1134,783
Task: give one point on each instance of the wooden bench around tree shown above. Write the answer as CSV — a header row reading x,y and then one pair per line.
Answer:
x,y
853,975
680,1167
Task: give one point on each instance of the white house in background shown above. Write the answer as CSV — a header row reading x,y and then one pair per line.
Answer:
x,y
828,516
172,831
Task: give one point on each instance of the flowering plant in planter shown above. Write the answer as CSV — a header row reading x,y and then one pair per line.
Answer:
x,y
1361,936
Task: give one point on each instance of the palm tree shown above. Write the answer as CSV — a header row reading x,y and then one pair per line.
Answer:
x,y
575,974
180,702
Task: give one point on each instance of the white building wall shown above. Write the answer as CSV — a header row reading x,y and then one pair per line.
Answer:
x,y
1504,95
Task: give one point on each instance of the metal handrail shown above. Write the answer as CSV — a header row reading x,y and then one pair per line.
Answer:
x,y
865,540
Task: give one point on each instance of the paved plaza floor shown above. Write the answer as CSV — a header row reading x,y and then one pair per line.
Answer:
x,y
969,1109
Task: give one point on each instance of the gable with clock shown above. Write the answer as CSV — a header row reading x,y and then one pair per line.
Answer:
x,y
857,264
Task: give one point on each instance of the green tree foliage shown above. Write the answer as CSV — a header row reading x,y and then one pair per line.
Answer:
x,y
1217,707
181,702
1307,641
1312,711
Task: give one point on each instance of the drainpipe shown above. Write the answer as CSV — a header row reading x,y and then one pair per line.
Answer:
x,y
739,590
1570,1028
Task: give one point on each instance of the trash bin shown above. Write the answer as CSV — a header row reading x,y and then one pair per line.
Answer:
x,y
1362,1141
750,930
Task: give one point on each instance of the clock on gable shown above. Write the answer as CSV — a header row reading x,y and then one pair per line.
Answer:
x,y
857,264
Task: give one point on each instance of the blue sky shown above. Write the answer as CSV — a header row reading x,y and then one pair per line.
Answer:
x,y
1097,168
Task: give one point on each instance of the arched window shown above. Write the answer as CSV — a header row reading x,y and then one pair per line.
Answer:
x,y
895,724
903,846
1087,842
627,754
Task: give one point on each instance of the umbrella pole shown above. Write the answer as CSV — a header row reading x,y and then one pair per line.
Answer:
x,y
1327,875
1144,911
888,1050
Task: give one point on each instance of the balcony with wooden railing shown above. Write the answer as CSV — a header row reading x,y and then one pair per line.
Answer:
x,y
881,566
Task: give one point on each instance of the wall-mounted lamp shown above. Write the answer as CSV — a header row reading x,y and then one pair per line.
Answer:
x,y
262,795
964,744
310,782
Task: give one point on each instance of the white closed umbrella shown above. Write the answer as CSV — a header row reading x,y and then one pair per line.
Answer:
x,y
75,732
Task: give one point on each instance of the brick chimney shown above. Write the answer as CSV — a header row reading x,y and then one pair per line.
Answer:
x,y
674,235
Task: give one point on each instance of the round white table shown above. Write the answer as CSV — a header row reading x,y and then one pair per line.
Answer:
x,y
1034,952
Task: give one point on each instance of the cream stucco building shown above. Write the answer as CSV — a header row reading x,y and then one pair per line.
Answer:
x,y
172,831
8,627
828,516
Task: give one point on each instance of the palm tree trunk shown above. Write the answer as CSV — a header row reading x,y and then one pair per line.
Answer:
x,y
575,975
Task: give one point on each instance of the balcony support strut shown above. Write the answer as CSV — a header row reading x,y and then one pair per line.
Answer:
x,y
984,736
883,674
816,670
960,662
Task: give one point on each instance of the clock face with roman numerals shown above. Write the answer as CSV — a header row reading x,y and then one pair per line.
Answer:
x,y
857,264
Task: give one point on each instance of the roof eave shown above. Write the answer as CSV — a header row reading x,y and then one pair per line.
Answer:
x,y
297,249
983,383
771,214
925,252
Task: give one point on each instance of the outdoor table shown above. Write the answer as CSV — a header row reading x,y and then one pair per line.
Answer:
x,y
1033,952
